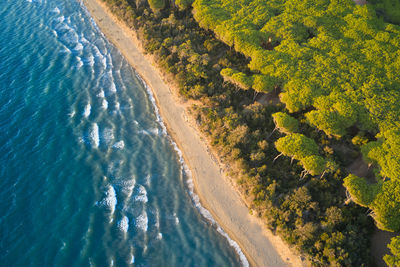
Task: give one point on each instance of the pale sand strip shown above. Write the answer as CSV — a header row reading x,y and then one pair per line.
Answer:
x,y
216,193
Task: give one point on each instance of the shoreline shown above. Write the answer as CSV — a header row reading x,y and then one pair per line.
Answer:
x,y
215,190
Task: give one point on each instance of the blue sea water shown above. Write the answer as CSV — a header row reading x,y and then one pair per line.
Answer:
x,y
88,175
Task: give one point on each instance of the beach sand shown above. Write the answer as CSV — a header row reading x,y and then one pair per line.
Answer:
x,y
214,189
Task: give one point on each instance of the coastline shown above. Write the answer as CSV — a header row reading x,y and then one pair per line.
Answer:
x,y
214,189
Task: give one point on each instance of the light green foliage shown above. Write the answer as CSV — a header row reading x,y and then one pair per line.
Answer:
x,y
393,260
296,146
333,55
361,192
238,78
183,4
305,150
340,59
314,164
285,123
156,5
386,153
382,198
264,83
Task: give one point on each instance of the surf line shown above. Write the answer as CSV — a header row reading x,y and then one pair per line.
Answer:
x,y
186,173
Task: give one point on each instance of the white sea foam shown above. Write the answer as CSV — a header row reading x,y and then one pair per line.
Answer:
x,y
176,218
90,60
142,221
110,200
108,135
119,145
78,47
94,135
132,259
100,94
59,19
56,10
123,224
147,180
153,102
100,56
104,104
63,28
54,33
117,105
87,110
112,87
84,40
127,187
71,114
141,194
80,63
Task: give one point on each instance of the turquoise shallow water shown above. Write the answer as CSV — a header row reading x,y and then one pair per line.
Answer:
x,y
88,175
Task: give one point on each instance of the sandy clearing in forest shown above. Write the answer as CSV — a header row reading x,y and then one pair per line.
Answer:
x,y
215,190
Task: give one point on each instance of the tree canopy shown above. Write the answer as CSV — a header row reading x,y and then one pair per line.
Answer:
x,y
285,123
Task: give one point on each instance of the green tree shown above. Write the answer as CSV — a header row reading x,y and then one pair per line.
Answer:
x,y
393,260
285,123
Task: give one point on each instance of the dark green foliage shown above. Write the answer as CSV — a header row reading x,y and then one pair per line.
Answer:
x,y
183,4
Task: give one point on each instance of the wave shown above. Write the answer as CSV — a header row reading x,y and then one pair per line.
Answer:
x,y
80,63
141,194
147,180
142,221
56,10
104,104
153,102
101,94
90,60
60,19
110,200
119,145
108,135
87,110
78,47
127,187
112,87
94,135
159,236
123,224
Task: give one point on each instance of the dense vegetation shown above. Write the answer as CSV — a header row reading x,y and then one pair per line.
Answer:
x,y
336,66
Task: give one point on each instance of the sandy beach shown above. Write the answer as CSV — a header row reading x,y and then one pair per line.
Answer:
x,y
214,189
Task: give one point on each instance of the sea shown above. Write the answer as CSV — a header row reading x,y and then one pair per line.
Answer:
x,y
88,173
